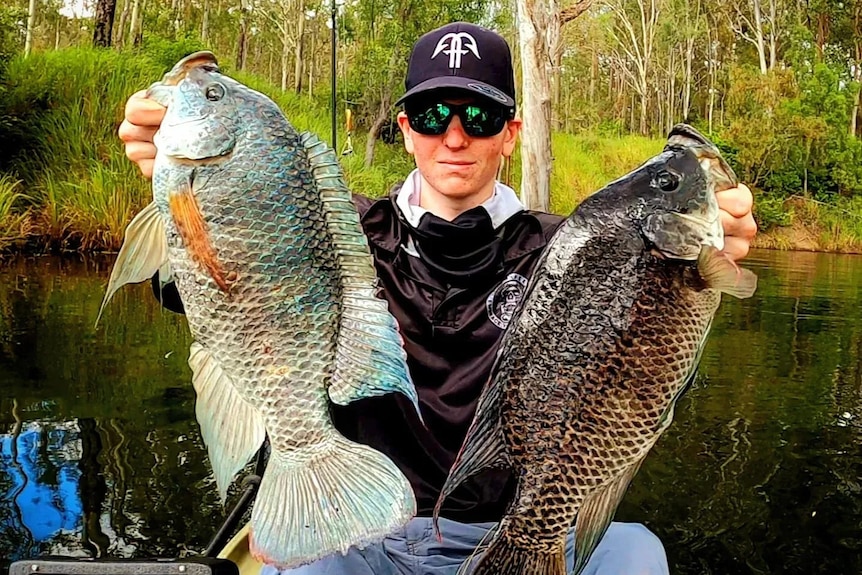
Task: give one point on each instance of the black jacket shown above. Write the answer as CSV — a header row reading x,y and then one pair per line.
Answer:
x,y
451,332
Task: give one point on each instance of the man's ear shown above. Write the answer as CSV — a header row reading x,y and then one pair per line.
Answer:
x,y
404,124
510,133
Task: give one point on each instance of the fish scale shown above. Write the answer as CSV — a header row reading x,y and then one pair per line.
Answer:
x,y
607,338
255,225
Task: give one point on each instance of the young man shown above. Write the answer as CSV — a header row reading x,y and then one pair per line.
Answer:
x,y
453,248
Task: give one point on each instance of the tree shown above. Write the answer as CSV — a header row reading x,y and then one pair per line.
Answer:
x,y
635,33
104,23
538,32
31,19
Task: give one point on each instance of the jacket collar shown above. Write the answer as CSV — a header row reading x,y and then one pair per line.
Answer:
x,y
388,228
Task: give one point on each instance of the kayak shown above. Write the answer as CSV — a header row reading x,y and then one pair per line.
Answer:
x,y
237,551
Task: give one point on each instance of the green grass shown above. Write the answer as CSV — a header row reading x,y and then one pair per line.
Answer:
x,y
14,218
73,188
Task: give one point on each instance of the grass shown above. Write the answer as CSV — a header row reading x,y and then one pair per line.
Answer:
x,y
14,220
816,226
68,184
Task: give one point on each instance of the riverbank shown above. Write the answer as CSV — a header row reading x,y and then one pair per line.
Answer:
x,y
65,184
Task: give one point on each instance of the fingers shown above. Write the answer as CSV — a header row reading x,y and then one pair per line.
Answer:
x,y
737,220
142,120
735,201
736,248
142,111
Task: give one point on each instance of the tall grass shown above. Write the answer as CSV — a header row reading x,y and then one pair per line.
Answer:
x,y
14,220
73,187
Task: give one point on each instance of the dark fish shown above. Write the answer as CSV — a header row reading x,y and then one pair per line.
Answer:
x,y
255,224
607,339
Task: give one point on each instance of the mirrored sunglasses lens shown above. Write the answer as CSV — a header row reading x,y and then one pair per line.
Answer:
x,y
482,122
432,120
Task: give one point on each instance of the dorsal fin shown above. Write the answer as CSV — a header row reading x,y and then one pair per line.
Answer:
x,y
370,358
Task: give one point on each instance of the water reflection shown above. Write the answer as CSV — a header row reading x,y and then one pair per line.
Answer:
x,y
39,480
761,471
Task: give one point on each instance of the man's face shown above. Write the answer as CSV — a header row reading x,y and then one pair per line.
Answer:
x,y
454,165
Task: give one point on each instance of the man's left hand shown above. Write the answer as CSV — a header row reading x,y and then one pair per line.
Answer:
x,y
736,218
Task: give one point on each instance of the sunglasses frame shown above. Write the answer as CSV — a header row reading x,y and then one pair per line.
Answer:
x,y
497,113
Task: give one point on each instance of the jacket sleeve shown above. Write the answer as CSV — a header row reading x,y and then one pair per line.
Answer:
x,y
167,295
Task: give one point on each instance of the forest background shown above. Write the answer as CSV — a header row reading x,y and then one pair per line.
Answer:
x,y
775,83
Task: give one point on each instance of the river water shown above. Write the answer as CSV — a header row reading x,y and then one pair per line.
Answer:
x,y
761,471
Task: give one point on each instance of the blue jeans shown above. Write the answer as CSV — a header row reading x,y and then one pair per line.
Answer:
x,y
626,549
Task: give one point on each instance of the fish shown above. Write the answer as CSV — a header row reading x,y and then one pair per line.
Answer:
x,y
607,338
254,223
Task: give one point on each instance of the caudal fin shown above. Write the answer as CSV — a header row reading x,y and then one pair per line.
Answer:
x,y
503,558
316,502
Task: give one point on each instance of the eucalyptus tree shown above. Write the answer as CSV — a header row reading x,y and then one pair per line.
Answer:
x,y
104,22
31,21
635,28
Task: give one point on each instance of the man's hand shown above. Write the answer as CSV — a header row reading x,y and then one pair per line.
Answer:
x,y
142,121
737,220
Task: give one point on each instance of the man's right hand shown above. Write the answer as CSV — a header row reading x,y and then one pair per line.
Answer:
x,y
142,121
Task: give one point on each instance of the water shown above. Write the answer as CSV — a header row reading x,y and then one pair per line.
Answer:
x,y
761,471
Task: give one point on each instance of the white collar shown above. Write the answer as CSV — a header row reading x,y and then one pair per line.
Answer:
x,y
502,205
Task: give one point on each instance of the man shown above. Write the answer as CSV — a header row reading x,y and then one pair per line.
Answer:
x,y
453,248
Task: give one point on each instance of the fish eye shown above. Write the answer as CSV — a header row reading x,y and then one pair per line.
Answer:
x,y
214,92
667,181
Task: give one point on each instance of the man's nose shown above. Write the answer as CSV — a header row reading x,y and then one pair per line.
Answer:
x,y
455,136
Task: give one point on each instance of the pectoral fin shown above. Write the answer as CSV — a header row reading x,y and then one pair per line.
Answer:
x,y
193,230
721,273
143,253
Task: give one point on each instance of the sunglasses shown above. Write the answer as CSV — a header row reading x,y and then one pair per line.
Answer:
x,y
478,120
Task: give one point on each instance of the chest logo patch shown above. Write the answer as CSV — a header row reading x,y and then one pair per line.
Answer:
x,y
505,299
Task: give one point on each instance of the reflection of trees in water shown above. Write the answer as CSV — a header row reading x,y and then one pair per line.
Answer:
x,y
92,488
764,474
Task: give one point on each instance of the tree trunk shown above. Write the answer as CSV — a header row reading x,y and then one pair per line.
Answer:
x,y
120,28
285,54
311,65
300,29
374,131
538,31
205,22
242,39
31,23
134,24
104,23
686,92
761,43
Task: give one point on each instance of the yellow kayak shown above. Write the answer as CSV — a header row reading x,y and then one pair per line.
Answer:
x,y
237,551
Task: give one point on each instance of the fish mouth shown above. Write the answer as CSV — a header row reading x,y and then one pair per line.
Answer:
x,y
203,59
683,136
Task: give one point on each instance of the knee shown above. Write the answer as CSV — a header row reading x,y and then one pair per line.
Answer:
x,y
628,549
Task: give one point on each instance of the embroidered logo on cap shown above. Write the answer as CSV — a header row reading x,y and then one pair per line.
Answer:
x,y
489,91
455,45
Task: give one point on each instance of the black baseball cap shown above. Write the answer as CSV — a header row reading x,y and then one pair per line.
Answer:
x,y
465,56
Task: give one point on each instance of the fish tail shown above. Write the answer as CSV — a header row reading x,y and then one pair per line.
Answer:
x,y
324,498
504,558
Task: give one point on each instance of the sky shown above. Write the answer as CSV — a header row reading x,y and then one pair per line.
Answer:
x,y
77,8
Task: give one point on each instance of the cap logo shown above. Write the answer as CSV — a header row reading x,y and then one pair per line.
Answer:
x,y
455,45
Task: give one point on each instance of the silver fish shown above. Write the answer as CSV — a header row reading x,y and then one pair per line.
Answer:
x,y
255,224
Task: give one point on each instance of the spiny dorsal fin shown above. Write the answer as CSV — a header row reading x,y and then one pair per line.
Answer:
x,y
370,357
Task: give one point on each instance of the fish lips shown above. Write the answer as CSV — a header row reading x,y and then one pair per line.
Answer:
x,y
683,136
196,139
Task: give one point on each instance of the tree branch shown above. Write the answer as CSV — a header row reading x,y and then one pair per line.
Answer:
x,y
572,12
